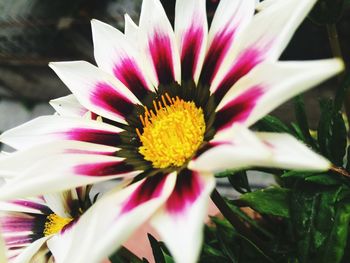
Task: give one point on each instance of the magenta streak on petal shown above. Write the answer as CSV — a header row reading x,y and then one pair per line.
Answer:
x,y
13,223
76,151
188,188
36,206
215,55
131,76
103,168
110,99
161,53
191,47
18,240
94,136
239,109
149,189
245,63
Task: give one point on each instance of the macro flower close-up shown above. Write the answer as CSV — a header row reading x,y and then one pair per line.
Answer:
x,y
165,109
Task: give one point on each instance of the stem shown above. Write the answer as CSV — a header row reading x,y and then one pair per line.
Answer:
x,y
337,52
235,221
340,170
334,40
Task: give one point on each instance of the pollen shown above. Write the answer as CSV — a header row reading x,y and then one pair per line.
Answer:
x,y
172,131
54,224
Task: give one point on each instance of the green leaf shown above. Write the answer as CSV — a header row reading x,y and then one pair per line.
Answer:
x,y
272,124
123,255
323,179
313,213
342,91
323,131
338,139
297,174
239,181
334,248
271,201
300,114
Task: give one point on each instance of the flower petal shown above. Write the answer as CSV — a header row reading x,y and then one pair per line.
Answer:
x,y
27,254
180,222
264,39
289,153
191,29
16,162
49,128
238,148
99,92
230,19
68,106
63,203
115,55
268,86
234,148
117,215
131,30
159,45
66,171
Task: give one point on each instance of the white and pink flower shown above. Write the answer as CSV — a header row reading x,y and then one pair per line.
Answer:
x,y
167,109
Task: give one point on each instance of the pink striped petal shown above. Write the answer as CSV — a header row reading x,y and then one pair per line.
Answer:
x,y
264,39
16,162
180,222
159,45
191,29
260,91
231,17
65,171
115,55
117,216
50,128
97,91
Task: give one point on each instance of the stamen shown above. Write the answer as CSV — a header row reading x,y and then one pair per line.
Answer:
x,y
172,132
55,224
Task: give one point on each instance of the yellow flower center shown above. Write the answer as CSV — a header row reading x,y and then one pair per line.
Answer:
x,y
54,224
172,132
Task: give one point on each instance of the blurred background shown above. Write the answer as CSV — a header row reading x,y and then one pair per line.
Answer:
x,y
35,32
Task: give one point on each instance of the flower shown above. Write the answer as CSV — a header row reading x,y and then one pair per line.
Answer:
x,y
39,229
167,109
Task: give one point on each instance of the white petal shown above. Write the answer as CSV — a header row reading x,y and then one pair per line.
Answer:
x,y
268,86
107,225
3,256
191,29
68,106
289,153
48,128
131,30
62,203
16,162
96,90
180,222
264,39
159,45
66,171
30,251
234,148
115,55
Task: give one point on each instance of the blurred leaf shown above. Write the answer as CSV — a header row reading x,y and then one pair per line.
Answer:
x,y
342,90
272,124
323,179
123,255
239,181
297,174
300,114
270,201
323,131
338,139
327,12
156,249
